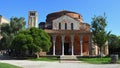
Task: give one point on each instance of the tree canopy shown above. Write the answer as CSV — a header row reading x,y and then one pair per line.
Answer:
x,y
9,30
114,44
32,39
100,35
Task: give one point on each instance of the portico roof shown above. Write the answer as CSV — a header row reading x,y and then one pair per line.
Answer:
x,y
65,32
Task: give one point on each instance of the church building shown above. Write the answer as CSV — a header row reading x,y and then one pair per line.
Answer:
x,y
70,35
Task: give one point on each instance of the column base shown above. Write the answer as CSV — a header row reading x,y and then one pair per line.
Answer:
x,y
54,55
81,55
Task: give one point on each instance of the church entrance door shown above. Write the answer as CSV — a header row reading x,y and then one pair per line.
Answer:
x,y
66,48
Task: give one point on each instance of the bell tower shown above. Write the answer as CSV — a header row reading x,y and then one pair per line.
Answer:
x,y
32,19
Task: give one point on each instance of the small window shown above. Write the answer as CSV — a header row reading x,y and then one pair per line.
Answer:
x,y
32,14
65,25
72,26
59,25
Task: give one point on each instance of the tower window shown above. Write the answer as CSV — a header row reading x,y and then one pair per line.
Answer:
x,y
32,14
72,26
59,25
65,25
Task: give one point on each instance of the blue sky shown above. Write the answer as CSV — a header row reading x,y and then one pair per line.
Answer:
x,y
87,8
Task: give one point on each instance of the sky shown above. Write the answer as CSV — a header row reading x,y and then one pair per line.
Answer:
x,y
87,8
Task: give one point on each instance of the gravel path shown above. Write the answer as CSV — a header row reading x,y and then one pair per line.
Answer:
x,y
44,64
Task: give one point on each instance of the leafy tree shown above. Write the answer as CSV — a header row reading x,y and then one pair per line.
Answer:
x,y
9,30
118,37
21,43
100,36
4,36
114,44
33,39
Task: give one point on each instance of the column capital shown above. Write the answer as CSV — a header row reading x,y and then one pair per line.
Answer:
x,y
72,37
54,36
63,36
81,35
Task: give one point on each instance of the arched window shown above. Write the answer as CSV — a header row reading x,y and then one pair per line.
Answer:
x,y
65,26
72,26
59,25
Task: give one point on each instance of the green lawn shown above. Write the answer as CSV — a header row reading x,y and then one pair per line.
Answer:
x,y
5,65
45,59
97,60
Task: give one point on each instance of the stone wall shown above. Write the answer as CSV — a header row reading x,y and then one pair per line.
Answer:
x,y
3,20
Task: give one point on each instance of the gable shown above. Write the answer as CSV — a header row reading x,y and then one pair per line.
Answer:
x,y
65,19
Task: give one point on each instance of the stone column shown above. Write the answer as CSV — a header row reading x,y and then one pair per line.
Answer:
x,y
90,44
106,48
72,41
107,51
81,46
63,45
54,41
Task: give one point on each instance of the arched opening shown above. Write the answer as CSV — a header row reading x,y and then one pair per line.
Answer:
x,y
65,26
59,25
58,45
72,26
85,45
67,45
76,45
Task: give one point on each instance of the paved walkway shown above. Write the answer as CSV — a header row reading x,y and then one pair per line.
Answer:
x,y
44,64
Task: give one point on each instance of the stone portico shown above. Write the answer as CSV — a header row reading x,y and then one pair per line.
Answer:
x,y
70,42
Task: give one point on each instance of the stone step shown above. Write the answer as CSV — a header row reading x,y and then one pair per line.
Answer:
x,y
70,61
68,57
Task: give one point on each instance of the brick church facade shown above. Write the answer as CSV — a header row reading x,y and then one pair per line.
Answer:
x,y
70,35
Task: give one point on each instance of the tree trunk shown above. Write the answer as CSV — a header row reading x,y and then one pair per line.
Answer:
x,y
101,52
37,54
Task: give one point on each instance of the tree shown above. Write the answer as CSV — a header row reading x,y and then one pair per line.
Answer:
x,y
5,36
100,36
21,43
9,30
33,39
17,24
114,44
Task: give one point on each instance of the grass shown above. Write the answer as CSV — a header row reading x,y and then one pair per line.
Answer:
x,y
119,60
5,65
44,59
104,60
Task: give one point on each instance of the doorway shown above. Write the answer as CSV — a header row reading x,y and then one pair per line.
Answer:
x,y
66,48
